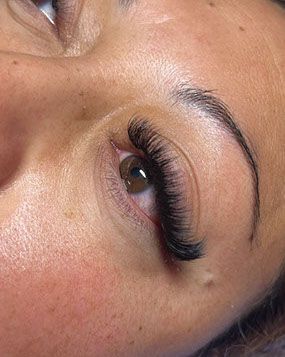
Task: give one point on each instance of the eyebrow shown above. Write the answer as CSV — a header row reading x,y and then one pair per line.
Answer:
x,y
207,103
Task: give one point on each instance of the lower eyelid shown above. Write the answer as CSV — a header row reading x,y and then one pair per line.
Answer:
x,y
146,202
116,191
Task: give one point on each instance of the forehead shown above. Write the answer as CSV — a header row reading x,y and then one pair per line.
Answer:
x,y
216,44
251,25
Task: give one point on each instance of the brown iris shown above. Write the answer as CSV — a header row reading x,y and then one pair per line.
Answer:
x,y
135,174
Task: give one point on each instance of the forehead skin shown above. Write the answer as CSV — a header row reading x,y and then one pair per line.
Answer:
x,y
76,276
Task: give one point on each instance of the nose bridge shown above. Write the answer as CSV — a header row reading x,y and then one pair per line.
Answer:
x,y
36,90
40,93
37,96
27,83
44,101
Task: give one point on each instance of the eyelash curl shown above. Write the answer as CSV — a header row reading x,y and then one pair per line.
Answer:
x,y
167,181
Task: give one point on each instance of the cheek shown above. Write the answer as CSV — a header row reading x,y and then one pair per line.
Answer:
x,y
63,294
61,304
59,293
64,289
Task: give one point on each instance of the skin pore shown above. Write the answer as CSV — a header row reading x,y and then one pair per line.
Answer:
x,y
83,270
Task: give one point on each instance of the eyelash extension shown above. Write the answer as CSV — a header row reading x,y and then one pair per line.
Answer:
x,y
174,216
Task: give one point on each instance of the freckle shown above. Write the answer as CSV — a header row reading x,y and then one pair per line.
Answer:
x,y
189,330
241,28
81,94
212,4
69,214
208,280
140,328
15,62
209,283
52,309
132,342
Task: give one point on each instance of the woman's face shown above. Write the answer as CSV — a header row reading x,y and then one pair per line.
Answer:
x,y
84,270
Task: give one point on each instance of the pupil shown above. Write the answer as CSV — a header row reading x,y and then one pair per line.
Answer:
x,y
138,172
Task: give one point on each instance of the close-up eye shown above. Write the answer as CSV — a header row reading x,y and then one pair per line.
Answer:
x,y
153,180
136,176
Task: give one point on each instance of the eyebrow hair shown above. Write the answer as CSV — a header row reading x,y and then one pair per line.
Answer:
x,y
205,102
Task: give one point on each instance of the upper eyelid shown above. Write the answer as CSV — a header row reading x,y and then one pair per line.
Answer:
x,y
178,229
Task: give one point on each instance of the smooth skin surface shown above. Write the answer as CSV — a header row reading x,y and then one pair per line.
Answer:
x,y
80,276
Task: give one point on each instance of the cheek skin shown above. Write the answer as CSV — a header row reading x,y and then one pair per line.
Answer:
x,y
65,302
59,301
43,314
57,294
63,295
11,147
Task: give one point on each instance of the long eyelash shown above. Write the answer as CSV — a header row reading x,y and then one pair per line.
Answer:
x,y
174,216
